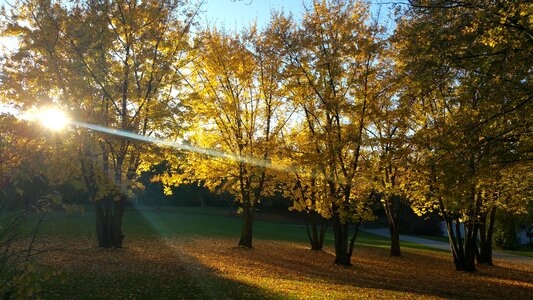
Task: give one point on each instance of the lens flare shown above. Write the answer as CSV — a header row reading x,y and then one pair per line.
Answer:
x,y
53,119
176,145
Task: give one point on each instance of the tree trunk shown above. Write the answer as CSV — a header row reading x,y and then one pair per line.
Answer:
x,y
485,238
315,230
471,231
392,206
343,245
118,213
101,225
395,239
108,215
247,226
463,250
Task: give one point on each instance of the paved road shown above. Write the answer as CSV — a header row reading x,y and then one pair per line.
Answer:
x,y
446,246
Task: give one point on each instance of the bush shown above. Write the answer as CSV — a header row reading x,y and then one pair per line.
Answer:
x,y
505,232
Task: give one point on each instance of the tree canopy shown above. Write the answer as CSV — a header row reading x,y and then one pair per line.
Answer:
x,y
331,110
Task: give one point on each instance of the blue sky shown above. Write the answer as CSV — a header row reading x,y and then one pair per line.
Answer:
x,y
236,14
239,13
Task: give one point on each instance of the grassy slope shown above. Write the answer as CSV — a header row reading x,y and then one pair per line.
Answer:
x,y
191,221
190,253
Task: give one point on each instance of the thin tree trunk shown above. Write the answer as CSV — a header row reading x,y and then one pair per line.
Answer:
x,y
101,225
315,230
394,239
485,238
460,253
323,227
118,213
480,255
392,210
247,226
470,247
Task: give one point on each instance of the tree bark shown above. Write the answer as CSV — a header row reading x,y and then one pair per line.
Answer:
x,y
118,213
247,226
101,225
395,240
109,213
343,247
463,250
470,247
392,210
485,238
316,229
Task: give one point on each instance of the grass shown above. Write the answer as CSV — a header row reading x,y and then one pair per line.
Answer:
x,y
431,237
523,251
175,222
191,253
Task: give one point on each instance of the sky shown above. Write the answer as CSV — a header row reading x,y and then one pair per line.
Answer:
x,y
237,14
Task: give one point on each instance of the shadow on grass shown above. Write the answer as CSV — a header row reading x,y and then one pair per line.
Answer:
x,y
504,272
417,273
155,265
144,269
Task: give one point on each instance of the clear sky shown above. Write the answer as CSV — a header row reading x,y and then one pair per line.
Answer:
x,y
237,14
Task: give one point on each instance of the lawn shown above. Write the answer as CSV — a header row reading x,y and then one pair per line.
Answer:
x,y
191,253
525,250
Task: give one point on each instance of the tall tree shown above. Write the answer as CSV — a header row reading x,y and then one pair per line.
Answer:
x,y
465,64
392,156
304,185
235,103
116,64
334,58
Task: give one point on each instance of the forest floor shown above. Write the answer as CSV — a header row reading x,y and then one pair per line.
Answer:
x,y
192,254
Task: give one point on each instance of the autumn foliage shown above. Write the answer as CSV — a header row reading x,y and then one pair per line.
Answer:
x,y
331,110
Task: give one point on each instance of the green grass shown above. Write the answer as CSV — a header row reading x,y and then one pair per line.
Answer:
x,y
179,273
171,223
431,237
175,222
523,251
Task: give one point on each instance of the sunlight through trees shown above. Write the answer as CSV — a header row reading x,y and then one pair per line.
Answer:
x,y
330,110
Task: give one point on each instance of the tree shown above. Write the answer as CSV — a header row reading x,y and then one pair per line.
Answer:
x,y
33,164
335,56
236,103
113,64
303,185
463,63
392,157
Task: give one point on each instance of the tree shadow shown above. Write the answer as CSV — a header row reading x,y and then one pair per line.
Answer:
x,y
509,271
417,272
144,269
206,267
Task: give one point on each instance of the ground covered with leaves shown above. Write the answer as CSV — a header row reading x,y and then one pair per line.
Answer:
x,y
214,268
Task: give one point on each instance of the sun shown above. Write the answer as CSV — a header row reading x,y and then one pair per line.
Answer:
x,y
53,119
